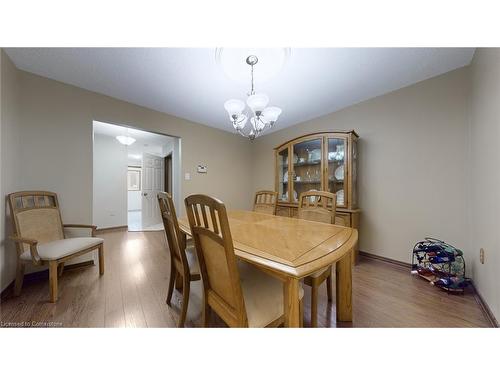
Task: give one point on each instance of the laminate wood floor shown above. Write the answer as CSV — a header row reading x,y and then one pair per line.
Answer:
x,y
133,289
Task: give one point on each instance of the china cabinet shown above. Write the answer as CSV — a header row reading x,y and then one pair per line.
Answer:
x,y
320,161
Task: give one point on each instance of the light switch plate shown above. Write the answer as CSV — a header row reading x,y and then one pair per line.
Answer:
x,y
187,176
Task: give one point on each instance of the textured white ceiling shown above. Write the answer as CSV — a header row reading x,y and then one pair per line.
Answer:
x,y
189,83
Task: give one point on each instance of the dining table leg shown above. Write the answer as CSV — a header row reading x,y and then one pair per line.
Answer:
x,y
344,288
291,302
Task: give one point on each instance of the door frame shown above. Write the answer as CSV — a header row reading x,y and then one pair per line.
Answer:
x,y
168,175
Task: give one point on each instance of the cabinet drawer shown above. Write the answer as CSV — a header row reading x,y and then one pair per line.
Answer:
x,y
343,219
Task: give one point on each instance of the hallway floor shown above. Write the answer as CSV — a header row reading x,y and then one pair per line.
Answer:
x,y
135,223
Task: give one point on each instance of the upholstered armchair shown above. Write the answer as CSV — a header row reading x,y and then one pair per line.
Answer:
x,y
40,237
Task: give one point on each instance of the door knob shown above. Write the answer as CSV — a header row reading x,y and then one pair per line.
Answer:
x,y
145,194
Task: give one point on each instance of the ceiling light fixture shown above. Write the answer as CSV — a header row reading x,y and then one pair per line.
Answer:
x,y
124,140
262,117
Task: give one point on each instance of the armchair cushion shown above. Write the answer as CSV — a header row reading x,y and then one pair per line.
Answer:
x,y
59,249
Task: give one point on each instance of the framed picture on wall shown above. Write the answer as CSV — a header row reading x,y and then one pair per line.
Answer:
x,y
134,179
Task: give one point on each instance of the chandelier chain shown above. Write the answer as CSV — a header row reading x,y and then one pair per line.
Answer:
x,y
251,72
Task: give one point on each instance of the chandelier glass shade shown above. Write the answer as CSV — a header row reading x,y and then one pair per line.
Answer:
x,y
261,117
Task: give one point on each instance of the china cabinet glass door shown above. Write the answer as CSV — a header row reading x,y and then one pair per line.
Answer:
x,y
283,174
307,167
336,171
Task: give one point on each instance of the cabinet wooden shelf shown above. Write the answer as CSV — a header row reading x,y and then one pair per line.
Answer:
x,y
328,162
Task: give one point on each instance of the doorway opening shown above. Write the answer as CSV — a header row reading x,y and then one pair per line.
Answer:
x,y
130,167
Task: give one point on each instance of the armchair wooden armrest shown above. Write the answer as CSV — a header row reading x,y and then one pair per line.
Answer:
x,y
28,241
33,247
89,226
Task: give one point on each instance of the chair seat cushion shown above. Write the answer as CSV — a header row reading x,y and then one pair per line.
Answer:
x,y
192,259
263,295
61,248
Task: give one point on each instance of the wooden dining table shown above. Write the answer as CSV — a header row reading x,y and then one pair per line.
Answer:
x,y
291,249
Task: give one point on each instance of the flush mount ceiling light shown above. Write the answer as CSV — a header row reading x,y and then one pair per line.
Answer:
x,y
261,117
124,140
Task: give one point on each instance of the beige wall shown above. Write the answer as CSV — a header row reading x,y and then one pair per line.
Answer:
x,y
9,159
413,157
484,174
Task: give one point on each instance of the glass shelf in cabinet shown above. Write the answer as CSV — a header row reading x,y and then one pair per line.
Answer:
x,y
307,182
307,163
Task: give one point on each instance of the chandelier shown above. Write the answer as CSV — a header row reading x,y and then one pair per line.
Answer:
x,y
261,117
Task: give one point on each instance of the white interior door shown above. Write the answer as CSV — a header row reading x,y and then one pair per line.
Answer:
x,y
152,183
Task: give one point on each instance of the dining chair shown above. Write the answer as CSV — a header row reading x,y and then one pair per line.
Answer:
x,y
42,239
183,261
240,294
318,206
265,201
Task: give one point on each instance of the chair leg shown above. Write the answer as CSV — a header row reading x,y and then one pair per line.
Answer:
x,y
53,280
171,283
185,302
206,315
178,282
329,288
60,269
314,305
101,259
19,278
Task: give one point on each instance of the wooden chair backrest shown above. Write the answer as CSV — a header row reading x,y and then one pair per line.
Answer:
x,y
214,247
175,241
36,216
266,202
318,206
